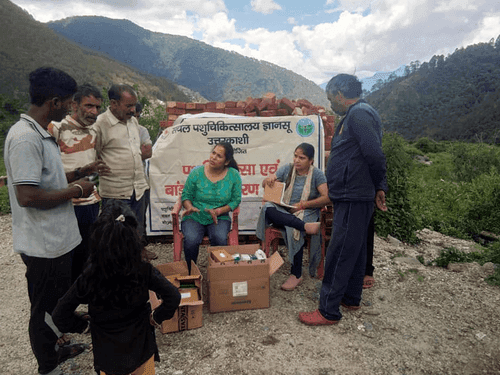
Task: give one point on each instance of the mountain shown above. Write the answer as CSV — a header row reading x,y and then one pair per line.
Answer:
x,y
26,44
216,74
367,83
447,98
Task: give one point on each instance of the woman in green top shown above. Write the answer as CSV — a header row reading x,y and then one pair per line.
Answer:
x,y
211,191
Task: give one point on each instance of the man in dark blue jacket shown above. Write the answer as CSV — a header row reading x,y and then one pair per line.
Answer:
x,y
356,175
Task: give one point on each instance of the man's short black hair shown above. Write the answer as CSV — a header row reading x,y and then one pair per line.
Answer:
x,y
86,90
47,83
115,91
347,84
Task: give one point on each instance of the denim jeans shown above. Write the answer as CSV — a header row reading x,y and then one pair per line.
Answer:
x,y
193,236
345,258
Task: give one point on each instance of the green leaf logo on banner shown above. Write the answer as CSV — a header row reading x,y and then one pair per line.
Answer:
x,y
305,127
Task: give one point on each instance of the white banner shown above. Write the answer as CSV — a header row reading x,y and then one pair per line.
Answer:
x,y
261,145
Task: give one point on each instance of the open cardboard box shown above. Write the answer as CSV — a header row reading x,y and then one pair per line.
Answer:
x,y
242,285
189,315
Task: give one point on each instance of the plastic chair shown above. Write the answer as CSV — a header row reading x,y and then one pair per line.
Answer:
x,y
178,236
273,236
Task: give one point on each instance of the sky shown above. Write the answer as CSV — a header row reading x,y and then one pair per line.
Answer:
x,y
314,38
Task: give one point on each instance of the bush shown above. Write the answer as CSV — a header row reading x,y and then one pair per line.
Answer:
x,y
452,255
427,145
10,108
399,221
484,211
4,200
488,254
472,160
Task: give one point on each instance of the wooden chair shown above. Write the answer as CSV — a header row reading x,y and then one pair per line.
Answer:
x,y
273,236
178,236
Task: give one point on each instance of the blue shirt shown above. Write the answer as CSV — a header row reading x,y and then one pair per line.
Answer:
x,y
356,167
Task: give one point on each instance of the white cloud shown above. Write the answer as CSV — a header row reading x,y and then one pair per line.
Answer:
x,y
167,16
350,5
453,5
489,28
218,28
264,6
389,35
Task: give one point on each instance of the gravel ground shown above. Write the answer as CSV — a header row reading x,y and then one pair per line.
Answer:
x,y
415,320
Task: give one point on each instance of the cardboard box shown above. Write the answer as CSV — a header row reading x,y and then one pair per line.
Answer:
x,y
275,194
240,285
189,315
221,255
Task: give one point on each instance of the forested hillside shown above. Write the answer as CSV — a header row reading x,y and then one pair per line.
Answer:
x,y
217,74
26,44
447,98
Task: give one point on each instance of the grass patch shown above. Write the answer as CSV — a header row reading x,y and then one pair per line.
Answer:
x,y
482,256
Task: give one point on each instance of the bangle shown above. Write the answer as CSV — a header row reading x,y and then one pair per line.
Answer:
x,y
153,321
86,329
81,190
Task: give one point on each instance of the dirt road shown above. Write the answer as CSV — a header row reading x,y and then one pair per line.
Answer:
x,y
415,320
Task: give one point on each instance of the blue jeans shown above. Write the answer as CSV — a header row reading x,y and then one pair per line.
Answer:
x,y
137,206
345,258
193,236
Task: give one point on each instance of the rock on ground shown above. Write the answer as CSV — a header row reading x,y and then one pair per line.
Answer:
x,y
416,319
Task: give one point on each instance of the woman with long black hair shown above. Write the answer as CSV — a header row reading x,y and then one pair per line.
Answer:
x,y
307,191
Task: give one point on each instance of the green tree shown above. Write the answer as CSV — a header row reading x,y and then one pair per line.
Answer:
x,y
399,220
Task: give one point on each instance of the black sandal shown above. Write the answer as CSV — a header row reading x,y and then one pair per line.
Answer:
x,y
69,351
64,340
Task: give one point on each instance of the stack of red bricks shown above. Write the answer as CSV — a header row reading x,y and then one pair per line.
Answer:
x,y
267,106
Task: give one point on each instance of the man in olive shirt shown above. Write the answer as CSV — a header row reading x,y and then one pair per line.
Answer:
x,y
119,146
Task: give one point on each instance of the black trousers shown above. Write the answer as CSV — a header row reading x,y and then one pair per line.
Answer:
x,y
280,220
86,216
48,280
369,246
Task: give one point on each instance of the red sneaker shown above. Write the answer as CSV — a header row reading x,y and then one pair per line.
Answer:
x,y
315,318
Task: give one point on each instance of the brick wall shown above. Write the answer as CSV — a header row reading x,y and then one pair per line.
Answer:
x,y
267,106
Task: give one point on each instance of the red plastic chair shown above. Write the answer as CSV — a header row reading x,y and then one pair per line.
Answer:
x,y
178,236
273,236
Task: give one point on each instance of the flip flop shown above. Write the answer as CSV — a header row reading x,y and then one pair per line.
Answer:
x,y
83,315
69,351
63,340
368,282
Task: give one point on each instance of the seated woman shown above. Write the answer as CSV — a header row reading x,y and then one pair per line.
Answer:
x,y
210,193
307,191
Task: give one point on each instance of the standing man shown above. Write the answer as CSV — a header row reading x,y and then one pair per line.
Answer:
x,y
76,137
146,153
356,175
119,146
44,226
